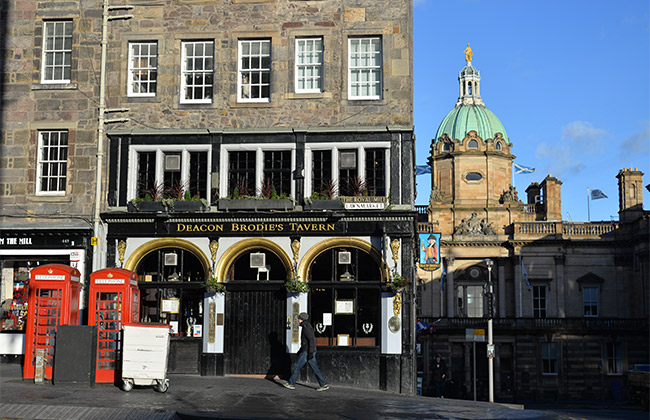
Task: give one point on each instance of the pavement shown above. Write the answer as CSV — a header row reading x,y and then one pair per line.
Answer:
x,y
193,397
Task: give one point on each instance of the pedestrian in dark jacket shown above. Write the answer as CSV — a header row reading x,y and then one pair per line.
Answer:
x,y
306,355
439,376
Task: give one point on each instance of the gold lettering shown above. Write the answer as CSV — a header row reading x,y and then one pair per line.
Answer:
x,y
235,227
180,227
219,228
280,228
203,228
330,226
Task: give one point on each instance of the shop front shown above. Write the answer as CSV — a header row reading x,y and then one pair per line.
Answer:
x,y
248,325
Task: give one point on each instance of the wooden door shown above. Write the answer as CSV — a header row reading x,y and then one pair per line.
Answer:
x,y
254,332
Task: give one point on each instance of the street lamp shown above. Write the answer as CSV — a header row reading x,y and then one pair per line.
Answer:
x,y
490,346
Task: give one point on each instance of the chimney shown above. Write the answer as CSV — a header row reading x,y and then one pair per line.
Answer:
x,y
630,194
552,188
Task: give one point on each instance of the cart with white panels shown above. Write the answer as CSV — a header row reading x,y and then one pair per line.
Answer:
x,y
145,348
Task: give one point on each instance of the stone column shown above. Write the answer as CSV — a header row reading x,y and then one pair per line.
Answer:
x,y
501,291
449,287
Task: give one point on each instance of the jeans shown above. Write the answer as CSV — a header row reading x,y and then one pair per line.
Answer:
x,y
300,363
439,388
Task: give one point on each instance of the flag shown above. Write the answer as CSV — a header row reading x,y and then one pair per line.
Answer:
x,y
520,169
525,273
442,277
421,326
422,169
596,194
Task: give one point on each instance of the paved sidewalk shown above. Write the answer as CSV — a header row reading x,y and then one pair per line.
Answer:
x,y
193,397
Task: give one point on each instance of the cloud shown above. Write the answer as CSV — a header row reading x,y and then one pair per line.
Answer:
x,y
583,134
638,144
559,159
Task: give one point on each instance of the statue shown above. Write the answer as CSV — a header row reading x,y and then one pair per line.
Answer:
x,y
510,195
468,54
474,226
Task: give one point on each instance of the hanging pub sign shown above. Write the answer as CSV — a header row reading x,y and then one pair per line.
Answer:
x,y
429,251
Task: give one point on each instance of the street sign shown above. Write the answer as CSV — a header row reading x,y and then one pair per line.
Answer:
x,y
94,241
475,335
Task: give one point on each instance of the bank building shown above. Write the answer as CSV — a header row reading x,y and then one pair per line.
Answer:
x,y
253,159
568,301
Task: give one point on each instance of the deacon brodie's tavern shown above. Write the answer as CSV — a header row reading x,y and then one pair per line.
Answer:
x,y
278,135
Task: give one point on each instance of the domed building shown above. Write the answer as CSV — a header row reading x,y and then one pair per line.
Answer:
x,y
554,309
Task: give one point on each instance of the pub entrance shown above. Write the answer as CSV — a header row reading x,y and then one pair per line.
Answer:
x,y
255,315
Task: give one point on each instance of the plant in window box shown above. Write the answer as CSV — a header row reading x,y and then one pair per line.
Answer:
x,y
212,285
324,199
295,285
397,282
149,199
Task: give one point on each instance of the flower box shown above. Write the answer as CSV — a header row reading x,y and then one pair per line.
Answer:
x,y
146,206
184,206
254,204
323,205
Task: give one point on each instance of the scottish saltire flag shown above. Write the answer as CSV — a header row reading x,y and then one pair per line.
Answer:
x,y
596,194
521,169
422,169
525,273
442,277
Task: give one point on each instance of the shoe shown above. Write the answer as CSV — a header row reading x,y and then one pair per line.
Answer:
x,y
288,385
323,388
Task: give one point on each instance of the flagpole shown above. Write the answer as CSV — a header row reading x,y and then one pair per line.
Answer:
x,y
588,209
521,286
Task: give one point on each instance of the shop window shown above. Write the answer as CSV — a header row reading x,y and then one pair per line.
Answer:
x,y
539,301
345,297
52,162
614,358
197,77
171,287
57,52
277,174
549,358
257,265
241,174
376,172
172,174
264,173
322,183
254,81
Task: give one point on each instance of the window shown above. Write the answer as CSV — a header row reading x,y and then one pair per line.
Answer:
x,y
241,174
57,52
499,147
309,65
446,147
549,358
614,358
473,176
322,183
365,71
473,144
470,301
539,301
254,80
172,173
143,68
590,301
52,162
197,72
376,172
345,297
277,174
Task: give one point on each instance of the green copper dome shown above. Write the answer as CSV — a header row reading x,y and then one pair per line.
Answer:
x,y
464,118
470,112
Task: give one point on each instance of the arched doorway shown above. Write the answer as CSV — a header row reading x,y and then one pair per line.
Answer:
x,y
255,271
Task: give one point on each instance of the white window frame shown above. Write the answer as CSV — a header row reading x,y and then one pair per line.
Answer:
x,y
136,66
247,72
309,59
549,351
587,300
58,53
614,357
361,62
52,162
204,72
361,161
259,150
184,150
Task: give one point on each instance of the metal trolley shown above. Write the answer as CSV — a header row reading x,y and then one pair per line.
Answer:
x,y
144,358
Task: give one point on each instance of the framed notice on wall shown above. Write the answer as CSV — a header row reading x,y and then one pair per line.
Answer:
x,y
344,307
171,306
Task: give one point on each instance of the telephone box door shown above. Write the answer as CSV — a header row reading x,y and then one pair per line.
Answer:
x,y
54,291
114,299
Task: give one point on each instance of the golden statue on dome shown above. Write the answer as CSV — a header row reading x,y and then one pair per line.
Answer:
x,y
468,54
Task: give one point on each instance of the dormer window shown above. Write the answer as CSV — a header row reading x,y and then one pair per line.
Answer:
x,y
499,147
446,147
473,144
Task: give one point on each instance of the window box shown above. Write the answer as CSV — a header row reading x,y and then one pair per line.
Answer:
x,y
146,206
312,204
255,204
184,206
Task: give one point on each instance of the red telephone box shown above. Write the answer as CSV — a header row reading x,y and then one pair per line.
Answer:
x,y
54,291
113,299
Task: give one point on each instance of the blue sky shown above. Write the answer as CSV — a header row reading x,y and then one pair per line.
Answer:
x,y
569,80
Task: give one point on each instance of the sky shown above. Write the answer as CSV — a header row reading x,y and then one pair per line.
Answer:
x,y
569,80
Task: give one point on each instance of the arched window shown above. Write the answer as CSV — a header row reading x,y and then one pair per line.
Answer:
x,y
473,144
446,147
345,291
499,147
257,264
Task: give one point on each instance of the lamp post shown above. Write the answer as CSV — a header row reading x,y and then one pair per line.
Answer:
x,y
490,346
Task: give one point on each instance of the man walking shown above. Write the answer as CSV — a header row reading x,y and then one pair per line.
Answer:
x,y
306,355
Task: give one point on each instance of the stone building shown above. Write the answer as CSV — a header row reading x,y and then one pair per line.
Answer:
x,y
277,136
569,300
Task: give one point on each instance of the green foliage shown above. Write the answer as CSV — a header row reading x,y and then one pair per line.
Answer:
x,y
295,285
397,281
